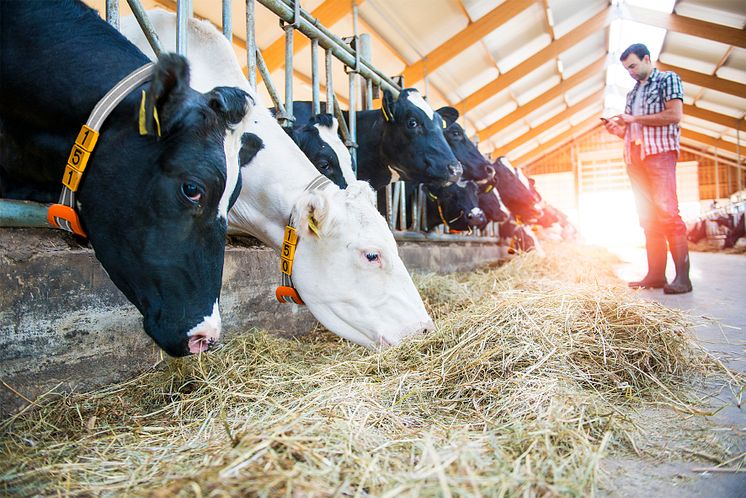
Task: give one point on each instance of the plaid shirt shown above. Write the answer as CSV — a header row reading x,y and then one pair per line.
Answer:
x,y
660,88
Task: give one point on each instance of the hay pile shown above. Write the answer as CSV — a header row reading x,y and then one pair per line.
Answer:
x,y
530,378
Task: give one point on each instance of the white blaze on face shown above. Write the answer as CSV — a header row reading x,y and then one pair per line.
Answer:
x,y
416,98
206,332
351,276
232,147
330,136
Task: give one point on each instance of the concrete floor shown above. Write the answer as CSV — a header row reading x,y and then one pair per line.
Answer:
x,y
719,282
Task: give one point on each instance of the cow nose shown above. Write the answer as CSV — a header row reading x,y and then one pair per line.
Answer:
x,y
454,171
475,217
204,335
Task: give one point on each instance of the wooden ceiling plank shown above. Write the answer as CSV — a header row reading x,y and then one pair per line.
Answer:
x,y
542,99
714,117
708,140
687,25
464,39
595,98
706,80
589,27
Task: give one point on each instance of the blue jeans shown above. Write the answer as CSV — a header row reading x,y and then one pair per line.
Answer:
x,y
654,185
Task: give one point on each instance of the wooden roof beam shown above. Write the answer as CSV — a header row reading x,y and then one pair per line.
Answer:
x,y
589,27
708,140
542,99
595,98
551,145
464,39
714,117
706,80
688,25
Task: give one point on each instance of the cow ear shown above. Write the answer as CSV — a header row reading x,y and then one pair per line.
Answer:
x,y
388,102
449,114
312,215
166,95
360,189
250,146
229,103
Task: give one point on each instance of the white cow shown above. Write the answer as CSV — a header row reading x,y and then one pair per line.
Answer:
x,y
350,275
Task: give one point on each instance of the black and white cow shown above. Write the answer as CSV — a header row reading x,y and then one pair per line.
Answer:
x,y
154,208
318,140
401,141
513,193
455,206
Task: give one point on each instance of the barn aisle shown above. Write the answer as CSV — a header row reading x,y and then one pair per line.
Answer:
x,y
718,295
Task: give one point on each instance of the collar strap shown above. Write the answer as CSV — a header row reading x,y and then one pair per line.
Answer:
x,y
63,215
286,292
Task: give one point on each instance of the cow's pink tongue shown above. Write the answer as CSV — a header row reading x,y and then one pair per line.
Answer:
x,y
198,344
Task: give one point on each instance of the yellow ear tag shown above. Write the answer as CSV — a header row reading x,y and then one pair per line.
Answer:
x,y
489,189
383,111
443,123
312,226
141,118
432,196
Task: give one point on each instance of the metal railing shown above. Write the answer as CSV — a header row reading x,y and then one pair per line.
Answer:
x,y
405,214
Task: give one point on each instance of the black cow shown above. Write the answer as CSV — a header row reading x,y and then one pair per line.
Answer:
x,y
516,196
736,232
154,208
404,136
456,206
489,203
476,167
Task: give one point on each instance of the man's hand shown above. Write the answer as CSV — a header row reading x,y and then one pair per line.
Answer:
x,y
627,118
614,127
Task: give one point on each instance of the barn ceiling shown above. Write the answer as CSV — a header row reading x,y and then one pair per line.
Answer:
x,y
529,75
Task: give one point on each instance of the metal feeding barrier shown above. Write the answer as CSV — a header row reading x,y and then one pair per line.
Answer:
x,y
404,213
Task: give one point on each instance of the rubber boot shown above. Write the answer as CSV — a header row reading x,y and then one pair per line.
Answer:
x,y
679,248
655,247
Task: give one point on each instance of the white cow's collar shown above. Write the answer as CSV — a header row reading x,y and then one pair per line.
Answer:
x,y
286,292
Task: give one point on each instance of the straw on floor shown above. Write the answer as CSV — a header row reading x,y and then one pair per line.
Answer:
x,y
534,373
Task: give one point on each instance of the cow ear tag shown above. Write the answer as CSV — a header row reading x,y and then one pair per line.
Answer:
x,y
312,225
141,118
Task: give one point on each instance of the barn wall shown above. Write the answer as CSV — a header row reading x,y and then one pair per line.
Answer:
x,y
562,159
63,322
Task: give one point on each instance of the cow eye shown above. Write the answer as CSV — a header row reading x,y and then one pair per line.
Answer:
x,y
192,192
412,123
372,256
324,164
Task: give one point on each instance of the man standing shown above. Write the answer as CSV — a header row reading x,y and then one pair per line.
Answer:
x,y
650,129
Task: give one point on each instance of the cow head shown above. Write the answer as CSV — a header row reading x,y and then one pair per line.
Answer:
x,y
319,141
476,167
489,203
516,196
412,142
456,206
155,206
348,271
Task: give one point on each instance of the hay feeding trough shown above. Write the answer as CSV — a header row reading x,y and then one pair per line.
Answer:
x,y
531,377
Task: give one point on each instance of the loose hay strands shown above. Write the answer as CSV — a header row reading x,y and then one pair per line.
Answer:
x,y
529,379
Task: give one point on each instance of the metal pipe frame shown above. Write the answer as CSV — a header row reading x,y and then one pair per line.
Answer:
x,y
310,27
251,49
315,91
147,27
441,237
23,214
328,59
183,13
228,20
112,13
264,71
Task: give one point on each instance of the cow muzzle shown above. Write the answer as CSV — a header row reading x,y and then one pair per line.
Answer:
x,y
204,335
476,217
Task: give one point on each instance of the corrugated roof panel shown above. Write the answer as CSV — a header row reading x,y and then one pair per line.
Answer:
x,y
421,24
545,112
583,53
723,103
583,90
537,81
510,133
493,108
517,40
553,131
524,148
703,124
478,8
569,14
691,52
583,114
472,69
699,129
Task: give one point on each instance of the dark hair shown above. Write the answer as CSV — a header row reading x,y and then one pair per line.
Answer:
x,y
638,49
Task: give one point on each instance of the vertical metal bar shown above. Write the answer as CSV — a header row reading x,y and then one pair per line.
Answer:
x,y
416,209
183,13
366,54
147,27
251,49
389,216
227,20
403,206
315,76
739,183
395,205
329,82
353,121
717,176
267,78
289,30
423,208
112,13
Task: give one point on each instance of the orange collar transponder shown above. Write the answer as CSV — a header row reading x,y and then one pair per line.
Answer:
x,y
63,214
286,293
